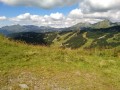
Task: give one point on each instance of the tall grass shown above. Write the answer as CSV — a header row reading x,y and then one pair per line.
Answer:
x,y
53,68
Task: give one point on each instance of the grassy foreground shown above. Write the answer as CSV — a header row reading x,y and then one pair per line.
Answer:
x,y
52,68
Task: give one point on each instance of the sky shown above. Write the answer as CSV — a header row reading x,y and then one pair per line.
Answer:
x,y
57,13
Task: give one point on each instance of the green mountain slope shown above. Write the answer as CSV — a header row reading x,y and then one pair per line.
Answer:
x,y
87,38
103,24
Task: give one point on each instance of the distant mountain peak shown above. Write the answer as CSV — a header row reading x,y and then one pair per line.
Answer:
x,y
106,20
103,24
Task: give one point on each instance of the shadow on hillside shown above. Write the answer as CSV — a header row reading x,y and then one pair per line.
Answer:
x,y
29,37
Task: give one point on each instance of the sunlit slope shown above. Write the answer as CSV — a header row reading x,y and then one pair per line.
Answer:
x,y
91,38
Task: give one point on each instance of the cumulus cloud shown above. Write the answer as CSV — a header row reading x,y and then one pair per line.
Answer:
x,y
76,13
2,18
99,5
96,10
112,15
85,5
40,3
54,20
57,16
58,20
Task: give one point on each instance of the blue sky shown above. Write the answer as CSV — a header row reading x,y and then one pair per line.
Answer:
x,y
57,13
12,11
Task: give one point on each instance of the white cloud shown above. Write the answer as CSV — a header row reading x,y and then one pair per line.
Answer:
x,y
57,16
79,16
40,3
54,19
111,15
2,18
76,13
58,20
99,5
85,5
22,17
96,10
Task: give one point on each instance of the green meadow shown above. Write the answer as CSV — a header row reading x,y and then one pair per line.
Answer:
x,y
34,67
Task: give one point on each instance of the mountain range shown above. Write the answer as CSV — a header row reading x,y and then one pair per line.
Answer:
x,y
104,34
6,30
